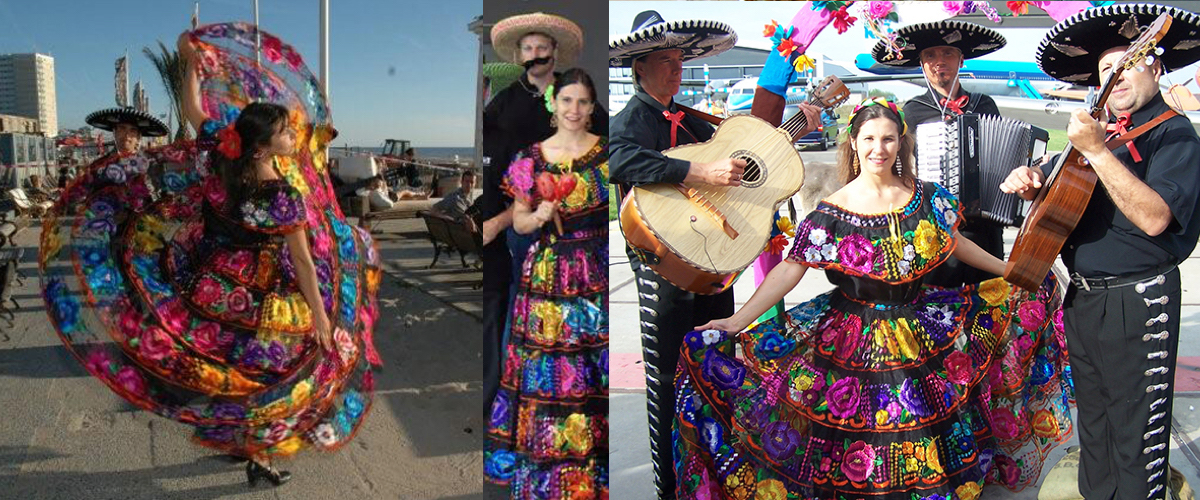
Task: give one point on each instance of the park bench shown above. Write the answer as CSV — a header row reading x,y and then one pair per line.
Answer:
x,y
451,235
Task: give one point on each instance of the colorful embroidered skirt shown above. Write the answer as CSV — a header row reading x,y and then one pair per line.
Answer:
x,y
846,399
548,428
119,256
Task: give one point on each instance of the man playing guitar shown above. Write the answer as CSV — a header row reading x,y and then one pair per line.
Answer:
x,y
649,124
1122,313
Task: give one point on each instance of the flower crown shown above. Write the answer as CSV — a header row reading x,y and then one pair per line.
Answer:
x,y
882,101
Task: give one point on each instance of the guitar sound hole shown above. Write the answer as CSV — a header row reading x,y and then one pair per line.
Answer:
x,y
753,172
756,172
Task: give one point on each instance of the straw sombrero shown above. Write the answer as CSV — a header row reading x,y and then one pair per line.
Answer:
x,y
971,39
695,37
147,124
1071,50
567,36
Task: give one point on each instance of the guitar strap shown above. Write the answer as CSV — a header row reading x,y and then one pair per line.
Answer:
x,y
1143,128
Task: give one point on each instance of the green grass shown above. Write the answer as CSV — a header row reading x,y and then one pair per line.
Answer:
x,y
613,202
1058,141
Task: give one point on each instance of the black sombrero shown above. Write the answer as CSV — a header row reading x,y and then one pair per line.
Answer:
x,y
1071,50
147,124
695,37
971,39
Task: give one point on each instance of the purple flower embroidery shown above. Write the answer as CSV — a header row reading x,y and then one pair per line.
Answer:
x,y
842,397
780,440
276,354
283,210
500,407
228,411
911,398
856,252
722,372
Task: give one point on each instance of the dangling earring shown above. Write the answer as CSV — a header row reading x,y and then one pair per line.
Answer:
x,y
553,121
587,124
854,166
899,168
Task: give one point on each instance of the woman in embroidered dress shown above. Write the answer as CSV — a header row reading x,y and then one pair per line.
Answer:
x,y
880,388
202,286
548,428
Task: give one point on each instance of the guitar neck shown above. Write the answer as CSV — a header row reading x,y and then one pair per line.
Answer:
x,y
797,123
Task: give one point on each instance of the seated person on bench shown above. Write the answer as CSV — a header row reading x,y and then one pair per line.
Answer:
x,y
455,204
382,198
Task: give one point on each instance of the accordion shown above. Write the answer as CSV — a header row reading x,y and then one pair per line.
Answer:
x,y
972,154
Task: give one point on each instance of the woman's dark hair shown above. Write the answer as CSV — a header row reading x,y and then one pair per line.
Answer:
x,y
572,76
256,125
846,153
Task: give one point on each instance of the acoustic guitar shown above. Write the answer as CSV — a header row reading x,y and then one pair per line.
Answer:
x,y
701,237
1064,196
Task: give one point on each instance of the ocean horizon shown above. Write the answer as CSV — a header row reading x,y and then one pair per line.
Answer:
x,y
422,152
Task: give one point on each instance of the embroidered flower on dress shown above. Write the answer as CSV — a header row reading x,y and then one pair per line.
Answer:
x,y
817,236
958,367
842,397
325,435
926,240
859,461
711,336
857,252
780,440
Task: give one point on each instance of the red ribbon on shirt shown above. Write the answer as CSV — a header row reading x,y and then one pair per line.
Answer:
x,y
675,119
1119,129
955,105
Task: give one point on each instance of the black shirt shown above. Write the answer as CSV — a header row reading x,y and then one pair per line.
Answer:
x,y
923,108
1106,243
515,118
638,136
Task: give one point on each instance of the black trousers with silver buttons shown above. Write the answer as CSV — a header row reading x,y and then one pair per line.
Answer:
x,y
666,314
1123,342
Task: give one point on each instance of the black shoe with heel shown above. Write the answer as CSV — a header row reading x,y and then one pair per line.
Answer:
x,y
254,472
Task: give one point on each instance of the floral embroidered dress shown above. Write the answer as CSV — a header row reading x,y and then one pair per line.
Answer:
x,y
189,307
548,428
882,388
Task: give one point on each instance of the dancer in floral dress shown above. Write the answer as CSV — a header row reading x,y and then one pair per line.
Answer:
x,y
548,429
212,281
882,388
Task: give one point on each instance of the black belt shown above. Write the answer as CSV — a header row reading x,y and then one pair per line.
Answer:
x,y
1119,281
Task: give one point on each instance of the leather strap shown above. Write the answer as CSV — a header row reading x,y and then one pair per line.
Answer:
x,y
1143,128
715,120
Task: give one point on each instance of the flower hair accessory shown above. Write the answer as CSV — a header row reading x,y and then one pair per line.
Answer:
x,y
230,142
549,96
881,101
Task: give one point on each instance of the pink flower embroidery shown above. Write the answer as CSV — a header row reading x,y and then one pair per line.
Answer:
x,y
521,177
842,397
958,367
1004,424
1032,314
98,361
204,337
155,344
131,380
238,300
208,291
859,462
856,252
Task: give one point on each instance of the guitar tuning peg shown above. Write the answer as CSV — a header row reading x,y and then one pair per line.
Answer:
x,y
1149,60
1158,50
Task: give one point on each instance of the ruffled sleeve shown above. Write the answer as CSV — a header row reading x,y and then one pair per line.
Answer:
x,y
896,247
274,207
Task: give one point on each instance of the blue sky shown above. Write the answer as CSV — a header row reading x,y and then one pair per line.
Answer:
x,y
403,70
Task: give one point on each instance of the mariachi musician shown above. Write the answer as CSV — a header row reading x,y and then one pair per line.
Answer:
x,y
1122,311
652,122
940,49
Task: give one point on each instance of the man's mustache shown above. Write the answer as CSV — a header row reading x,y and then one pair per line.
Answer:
x,y
541,60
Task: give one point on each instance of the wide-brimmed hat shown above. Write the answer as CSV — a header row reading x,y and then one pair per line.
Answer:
x,y
1071,50
568,36
695,37
147,124
971,39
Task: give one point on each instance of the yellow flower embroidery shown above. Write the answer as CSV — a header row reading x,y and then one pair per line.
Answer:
x,y
907,342
969,491
551,317
994,291
289,446
931,458
911,464
579,196
604,170
882,417
771,489
577,433
300,392
926,240
804,382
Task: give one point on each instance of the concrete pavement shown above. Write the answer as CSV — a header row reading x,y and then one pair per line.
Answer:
x,y
66,436
632,476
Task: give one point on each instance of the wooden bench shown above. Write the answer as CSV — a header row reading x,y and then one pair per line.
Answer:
x,y
403,209
450,235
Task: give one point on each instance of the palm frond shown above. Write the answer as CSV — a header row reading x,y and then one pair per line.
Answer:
x,y
170,69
